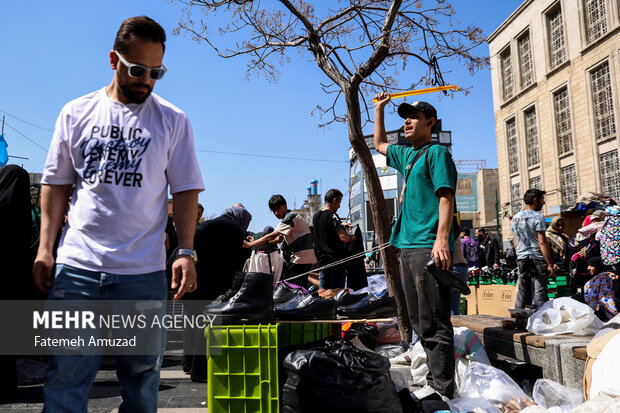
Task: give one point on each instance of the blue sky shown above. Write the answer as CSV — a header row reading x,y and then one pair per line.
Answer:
x,y
55,51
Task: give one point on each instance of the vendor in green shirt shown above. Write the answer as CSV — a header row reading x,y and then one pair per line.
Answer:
x,y
423,230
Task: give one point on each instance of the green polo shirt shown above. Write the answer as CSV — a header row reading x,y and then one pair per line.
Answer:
x,y
416,225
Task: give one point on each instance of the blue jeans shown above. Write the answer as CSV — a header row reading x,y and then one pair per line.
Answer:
x,y
455,299
70,377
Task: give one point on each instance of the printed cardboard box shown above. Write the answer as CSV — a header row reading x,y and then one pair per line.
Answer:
x,y
472,302
495,299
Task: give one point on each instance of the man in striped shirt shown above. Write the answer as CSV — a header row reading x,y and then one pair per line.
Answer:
x,y
297,235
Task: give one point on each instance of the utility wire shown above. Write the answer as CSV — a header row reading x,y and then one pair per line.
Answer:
x,y
271,156
29,123
35,143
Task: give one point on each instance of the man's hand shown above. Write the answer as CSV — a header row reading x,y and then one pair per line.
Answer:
x,y
382,99
551,271
495,265
183,268
42,271
441,254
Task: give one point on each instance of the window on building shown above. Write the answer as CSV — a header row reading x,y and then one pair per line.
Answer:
x,y
531,137
604,122
513,149
507,78
610,174
563,122
536,182
526,64
568,184
515,197
557,42
596,19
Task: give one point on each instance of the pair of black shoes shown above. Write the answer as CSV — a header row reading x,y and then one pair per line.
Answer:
x,y
370,306
306,306
309,306
249,298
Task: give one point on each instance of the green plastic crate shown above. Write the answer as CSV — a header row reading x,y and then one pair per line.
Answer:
x,y
242,370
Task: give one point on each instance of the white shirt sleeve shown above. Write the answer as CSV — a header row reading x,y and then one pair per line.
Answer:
x,y
59,169
183,172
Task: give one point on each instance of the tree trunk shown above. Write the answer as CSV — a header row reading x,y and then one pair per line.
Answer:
x,y
379,213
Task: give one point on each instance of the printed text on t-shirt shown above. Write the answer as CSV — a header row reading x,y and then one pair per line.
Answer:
x,y
115,160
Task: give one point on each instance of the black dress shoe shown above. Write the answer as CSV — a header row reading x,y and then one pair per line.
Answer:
x,y
447,278
307,307
298,295
370,306
343,298
283,293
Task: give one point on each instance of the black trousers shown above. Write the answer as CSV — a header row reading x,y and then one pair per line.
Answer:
x,y
428,306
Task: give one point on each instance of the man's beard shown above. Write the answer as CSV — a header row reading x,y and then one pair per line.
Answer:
x,y
132,97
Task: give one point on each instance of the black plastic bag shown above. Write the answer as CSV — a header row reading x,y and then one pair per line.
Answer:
x,y
338,378
367,334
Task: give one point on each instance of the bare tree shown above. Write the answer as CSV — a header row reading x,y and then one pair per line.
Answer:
x,y
362,47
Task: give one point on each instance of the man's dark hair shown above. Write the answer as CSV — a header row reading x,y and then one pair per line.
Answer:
x,y
332,195
484,231
201,208
276,201
139,27
531,195
466,230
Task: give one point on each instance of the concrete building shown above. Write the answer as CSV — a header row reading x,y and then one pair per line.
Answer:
x,y
555,66
477,196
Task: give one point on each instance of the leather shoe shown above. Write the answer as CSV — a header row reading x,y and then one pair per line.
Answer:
x,y
447,278
344,298
370,306
283,293
307,307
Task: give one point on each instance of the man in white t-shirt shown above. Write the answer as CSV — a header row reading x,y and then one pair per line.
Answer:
x,y
120,148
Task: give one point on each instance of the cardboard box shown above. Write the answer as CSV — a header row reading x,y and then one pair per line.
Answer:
x,y
472,302
495,299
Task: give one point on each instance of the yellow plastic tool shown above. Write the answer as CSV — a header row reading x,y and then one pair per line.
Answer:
x,y
421,91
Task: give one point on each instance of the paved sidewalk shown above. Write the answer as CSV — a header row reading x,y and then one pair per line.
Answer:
x,y
177,393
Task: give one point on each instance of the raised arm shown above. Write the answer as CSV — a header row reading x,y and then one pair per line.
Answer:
x,y
381,143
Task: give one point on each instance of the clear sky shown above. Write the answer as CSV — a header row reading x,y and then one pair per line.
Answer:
x,y
56,51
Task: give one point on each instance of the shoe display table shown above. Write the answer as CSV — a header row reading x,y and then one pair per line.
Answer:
x,y
561,357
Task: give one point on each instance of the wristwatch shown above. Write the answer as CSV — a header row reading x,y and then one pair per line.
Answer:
x,y
189,253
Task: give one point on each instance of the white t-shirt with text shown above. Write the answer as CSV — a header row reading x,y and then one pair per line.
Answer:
x,y
121,159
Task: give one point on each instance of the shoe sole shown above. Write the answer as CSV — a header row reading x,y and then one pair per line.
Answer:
x,y
236,318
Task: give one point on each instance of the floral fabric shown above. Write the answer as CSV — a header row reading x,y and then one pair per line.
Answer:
x,y
599,293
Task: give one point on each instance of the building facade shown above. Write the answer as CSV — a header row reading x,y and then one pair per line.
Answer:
x,y
555,66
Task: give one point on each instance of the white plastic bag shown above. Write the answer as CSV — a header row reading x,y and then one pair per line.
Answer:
x,y
259,262
563,316
419,368
551,394
467,404
483,381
